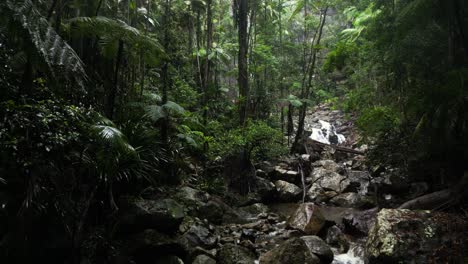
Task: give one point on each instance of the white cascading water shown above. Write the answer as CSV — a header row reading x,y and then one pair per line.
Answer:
x,y
325,133
353,256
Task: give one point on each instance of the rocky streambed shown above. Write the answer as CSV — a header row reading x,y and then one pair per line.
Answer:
x,y
322,208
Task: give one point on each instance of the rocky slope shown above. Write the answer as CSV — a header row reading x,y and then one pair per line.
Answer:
x,y
321,208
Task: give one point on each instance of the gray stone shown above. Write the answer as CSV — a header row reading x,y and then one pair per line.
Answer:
x,y
292,251
336,238
329,165
235,254
399,235
198,235
287,192
330,180
265,189
164,215
308,218
319,248
352,200
203,259
359,222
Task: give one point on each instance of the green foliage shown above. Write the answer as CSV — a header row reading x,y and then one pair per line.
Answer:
x,y
377,120
360,21
340,56
111,31
257,138
53,49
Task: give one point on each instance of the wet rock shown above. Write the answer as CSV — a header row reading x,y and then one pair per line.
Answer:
x,y
265,189
198,236
359,181
190,196
212,211
235,254
336,238
216,211
151,244
391,181
168,260
203,259
287,192
319,248
292,251
139,214
308,218
359,222
352,200
253,210
400,235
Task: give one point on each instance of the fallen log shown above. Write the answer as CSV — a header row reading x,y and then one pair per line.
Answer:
x,y
337,148
429,201
438,199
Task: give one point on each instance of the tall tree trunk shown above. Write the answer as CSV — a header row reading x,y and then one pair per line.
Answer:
x,y
114,88
243,77
280,81
309,73
209,43
164,73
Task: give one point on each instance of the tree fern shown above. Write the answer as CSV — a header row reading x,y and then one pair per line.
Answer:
x,y
55,51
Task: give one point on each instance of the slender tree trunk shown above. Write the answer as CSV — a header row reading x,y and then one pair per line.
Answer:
x,y
306,90
280,81
164,74
209,43
114,88
243,77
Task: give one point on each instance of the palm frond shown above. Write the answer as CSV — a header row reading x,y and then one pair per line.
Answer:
x,y
111,30
172,107
105,131
155,112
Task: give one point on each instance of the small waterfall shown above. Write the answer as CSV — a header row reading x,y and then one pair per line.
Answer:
x,y
355,255
327,134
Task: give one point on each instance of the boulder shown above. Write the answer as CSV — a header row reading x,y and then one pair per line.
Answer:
x,y
359,222
265,189
212,211
399,235
253,210
292,251
352,200
329,180
319,195
329,165
359,181
308,218
235,254
167,260
197,236
203,259
336,238
164,215
319,248
191,197
280,173
287,192
150,244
